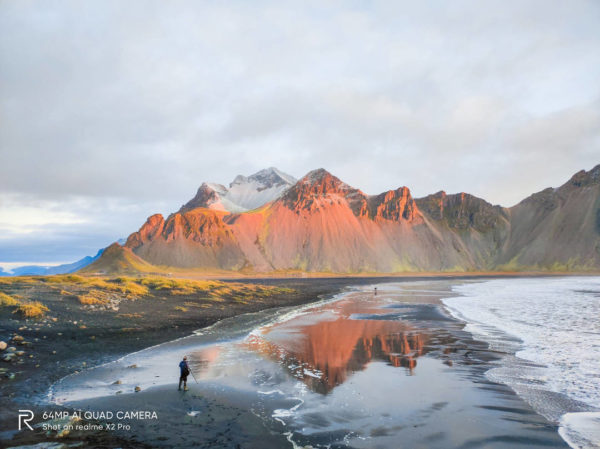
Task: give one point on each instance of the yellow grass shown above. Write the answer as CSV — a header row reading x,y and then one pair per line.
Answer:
x,y
64,279
32,310
91,290
92,298
130,315
191,304
19,280
244,292
7,300
182,291
181,286
129,287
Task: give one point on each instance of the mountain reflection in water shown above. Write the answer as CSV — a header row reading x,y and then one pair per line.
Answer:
x,y
325,349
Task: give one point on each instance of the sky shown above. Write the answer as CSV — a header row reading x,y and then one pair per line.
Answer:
x,y
112,111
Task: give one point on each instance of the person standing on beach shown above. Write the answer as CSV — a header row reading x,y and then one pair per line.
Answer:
x,y
184,373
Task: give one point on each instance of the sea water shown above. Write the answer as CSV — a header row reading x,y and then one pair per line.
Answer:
x,y
552,325
361,369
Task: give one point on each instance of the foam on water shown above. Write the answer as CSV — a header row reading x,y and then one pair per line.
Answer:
x,y
553,327
580,430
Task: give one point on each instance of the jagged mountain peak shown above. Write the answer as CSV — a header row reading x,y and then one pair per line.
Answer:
x,y
244,193
268,177
319,184
319,188
549,198
324,182
317,175
461,210
205,196
584,178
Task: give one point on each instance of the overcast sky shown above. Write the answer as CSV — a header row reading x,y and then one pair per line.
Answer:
x,y
112,111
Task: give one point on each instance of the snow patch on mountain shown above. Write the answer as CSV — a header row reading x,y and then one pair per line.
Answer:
x,y
244,193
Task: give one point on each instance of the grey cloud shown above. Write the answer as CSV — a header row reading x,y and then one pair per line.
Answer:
x,y
62,244
136,103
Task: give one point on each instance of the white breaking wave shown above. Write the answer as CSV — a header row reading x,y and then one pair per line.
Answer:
x,y
554,323
580,430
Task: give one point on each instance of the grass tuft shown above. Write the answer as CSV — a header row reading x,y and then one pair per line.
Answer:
x,y
32,310
92,298
7,300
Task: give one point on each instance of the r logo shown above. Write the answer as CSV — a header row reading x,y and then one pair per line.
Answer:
x,y
25,416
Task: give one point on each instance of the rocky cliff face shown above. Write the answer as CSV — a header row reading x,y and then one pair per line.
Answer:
x,y
462,211
208,196
395,205
197,238
322,224
557,229
320,188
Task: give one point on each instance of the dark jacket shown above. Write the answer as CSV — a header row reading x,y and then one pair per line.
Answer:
x,y
185,369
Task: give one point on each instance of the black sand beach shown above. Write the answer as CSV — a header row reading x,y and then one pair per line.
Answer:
x,y
433,394
71,339
59,347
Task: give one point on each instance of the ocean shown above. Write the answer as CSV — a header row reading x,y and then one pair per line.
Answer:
x,y
552,325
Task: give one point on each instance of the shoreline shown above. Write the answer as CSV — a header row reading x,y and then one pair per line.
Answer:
x,y
216,408
534,366
63,349
331,287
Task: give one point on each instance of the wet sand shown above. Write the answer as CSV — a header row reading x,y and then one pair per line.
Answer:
x,y
389,371
57,347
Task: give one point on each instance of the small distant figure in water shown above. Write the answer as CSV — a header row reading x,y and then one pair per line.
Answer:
x,y
184,373
375,291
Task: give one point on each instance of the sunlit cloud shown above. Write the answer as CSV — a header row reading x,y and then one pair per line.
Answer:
x,y
16,220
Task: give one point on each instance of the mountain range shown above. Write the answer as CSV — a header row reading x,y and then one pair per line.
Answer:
x,y
44,270
271,222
